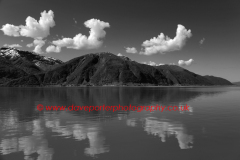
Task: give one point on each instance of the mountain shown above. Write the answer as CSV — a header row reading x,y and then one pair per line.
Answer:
x,y
184,77
16,63
181,76
218,80
236,83
95,69
26,59
105,69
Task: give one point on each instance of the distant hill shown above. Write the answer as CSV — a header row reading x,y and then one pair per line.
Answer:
x,y
95,69
181,76
236,83
218,80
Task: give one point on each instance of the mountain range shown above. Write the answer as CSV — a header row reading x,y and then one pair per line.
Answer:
x,y
236,83
24,68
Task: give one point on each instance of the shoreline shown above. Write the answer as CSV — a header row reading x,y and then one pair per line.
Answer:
x,y
150,86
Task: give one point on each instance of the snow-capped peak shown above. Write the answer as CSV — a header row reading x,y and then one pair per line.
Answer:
x,y
9,52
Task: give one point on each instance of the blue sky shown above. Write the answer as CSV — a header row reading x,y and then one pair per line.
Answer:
x,y
207,41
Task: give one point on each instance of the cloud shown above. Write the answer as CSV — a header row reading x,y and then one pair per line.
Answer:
x,y
12,45
53,48
185,63
153,63
160,64
131,122
38,46
165,129
38,43
201,41
30,45
162,43
33,28
131,50
119,54
11,30
80,41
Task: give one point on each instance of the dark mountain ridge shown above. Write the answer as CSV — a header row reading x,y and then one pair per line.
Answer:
x,y
94,69
236,83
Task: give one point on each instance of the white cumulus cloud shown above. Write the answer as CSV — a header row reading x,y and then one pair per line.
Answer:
x,y
153,63
185,63
53,48
30,45
38,46
12,45
11,30
33,28
38,43
80,41
38,30
162,43
119,54
131,50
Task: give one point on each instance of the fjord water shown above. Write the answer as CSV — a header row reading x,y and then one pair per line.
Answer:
x,y
210,130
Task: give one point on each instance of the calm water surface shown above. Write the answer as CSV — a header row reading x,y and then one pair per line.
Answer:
x,y
210,130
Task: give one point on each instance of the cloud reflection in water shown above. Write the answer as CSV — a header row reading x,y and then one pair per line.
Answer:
x,y
164,129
